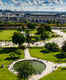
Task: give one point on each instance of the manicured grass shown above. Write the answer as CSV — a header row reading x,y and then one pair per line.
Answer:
x,y
6,34
64,30
41,54
59,74
5,74
33,31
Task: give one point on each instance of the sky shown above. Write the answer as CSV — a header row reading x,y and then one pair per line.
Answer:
x,y
33,5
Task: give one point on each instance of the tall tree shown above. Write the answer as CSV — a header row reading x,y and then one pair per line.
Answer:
x,y
43,28
31,25
25,70
18,38
44,35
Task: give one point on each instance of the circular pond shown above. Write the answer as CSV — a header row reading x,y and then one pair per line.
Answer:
x,y
38,66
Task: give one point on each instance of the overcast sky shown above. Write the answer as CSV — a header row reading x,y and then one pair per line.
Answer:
x,y
34,5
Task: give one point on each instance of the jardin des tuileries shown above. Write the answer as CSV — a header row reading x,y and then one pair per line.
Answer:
x,y
32,42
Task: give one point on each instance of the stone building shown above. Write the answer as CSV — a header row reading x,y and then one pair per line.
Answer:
x,y
32,17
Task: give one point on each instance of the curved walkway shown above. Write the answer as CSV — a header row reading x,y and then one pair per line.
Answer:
x,y
50,66
58,40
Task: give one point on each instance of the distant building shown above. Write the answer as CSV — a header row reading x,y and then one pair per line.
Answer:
x,y
32,17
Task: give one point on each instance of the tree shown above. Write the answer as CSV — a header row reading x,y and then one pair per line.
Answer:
x,y
28,38
31,25
21,28
47,27
44,35
40,30
52,46
43,28
64,47
18,38
25,70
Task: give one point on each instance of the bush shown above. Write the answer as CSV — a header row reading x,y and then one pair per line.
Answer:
x,y
64,47
12,55
52,47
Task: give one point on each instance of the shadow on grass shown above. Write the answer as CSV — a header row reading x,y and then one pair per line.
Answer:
x,y
44,51
8,58
60,56
37,33
7,50
64,68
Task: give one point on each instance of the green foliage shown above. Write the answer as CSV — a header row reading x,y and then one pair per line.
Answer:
x,y
64,30
43,28
46,27
29,67
18,38
44,35
31,25
12,55
28,38
21,28
5,74
64,47
52,46
25,70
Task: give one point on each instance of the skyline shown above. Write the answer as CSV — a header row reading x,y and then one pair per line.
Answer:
x,y
33,5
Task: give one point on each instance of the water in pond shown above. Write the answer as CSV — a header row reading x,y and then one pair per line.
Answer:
x,y
37,65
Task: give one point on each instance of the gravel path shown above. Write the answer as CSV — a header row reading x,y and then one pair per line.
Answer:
x,y
26,53
58,40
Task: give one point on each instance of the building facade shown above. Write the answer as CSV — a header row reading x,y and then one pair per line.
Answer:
x,y
32,17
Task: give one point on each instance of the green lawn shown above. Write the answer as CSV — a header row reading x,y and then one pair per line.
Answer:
x,y
6,34
33,31
51,56
59,74
5,74
64,30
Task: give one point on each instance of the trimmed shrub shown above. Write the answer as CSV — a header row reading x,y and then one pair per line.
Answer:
x,y
64,47
52,47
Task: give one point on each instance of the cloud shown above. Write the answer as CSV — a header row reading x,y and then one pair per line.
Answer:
x,y
34,5
15,1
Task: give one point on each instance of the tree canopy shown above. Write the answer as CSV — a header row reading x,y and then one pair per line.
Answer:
x,y
52,47
64,47
25,70
31,25
18,38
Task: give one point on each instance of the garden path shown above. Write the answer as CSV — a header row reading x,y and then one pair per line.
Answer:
x,y
26,53
58,40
